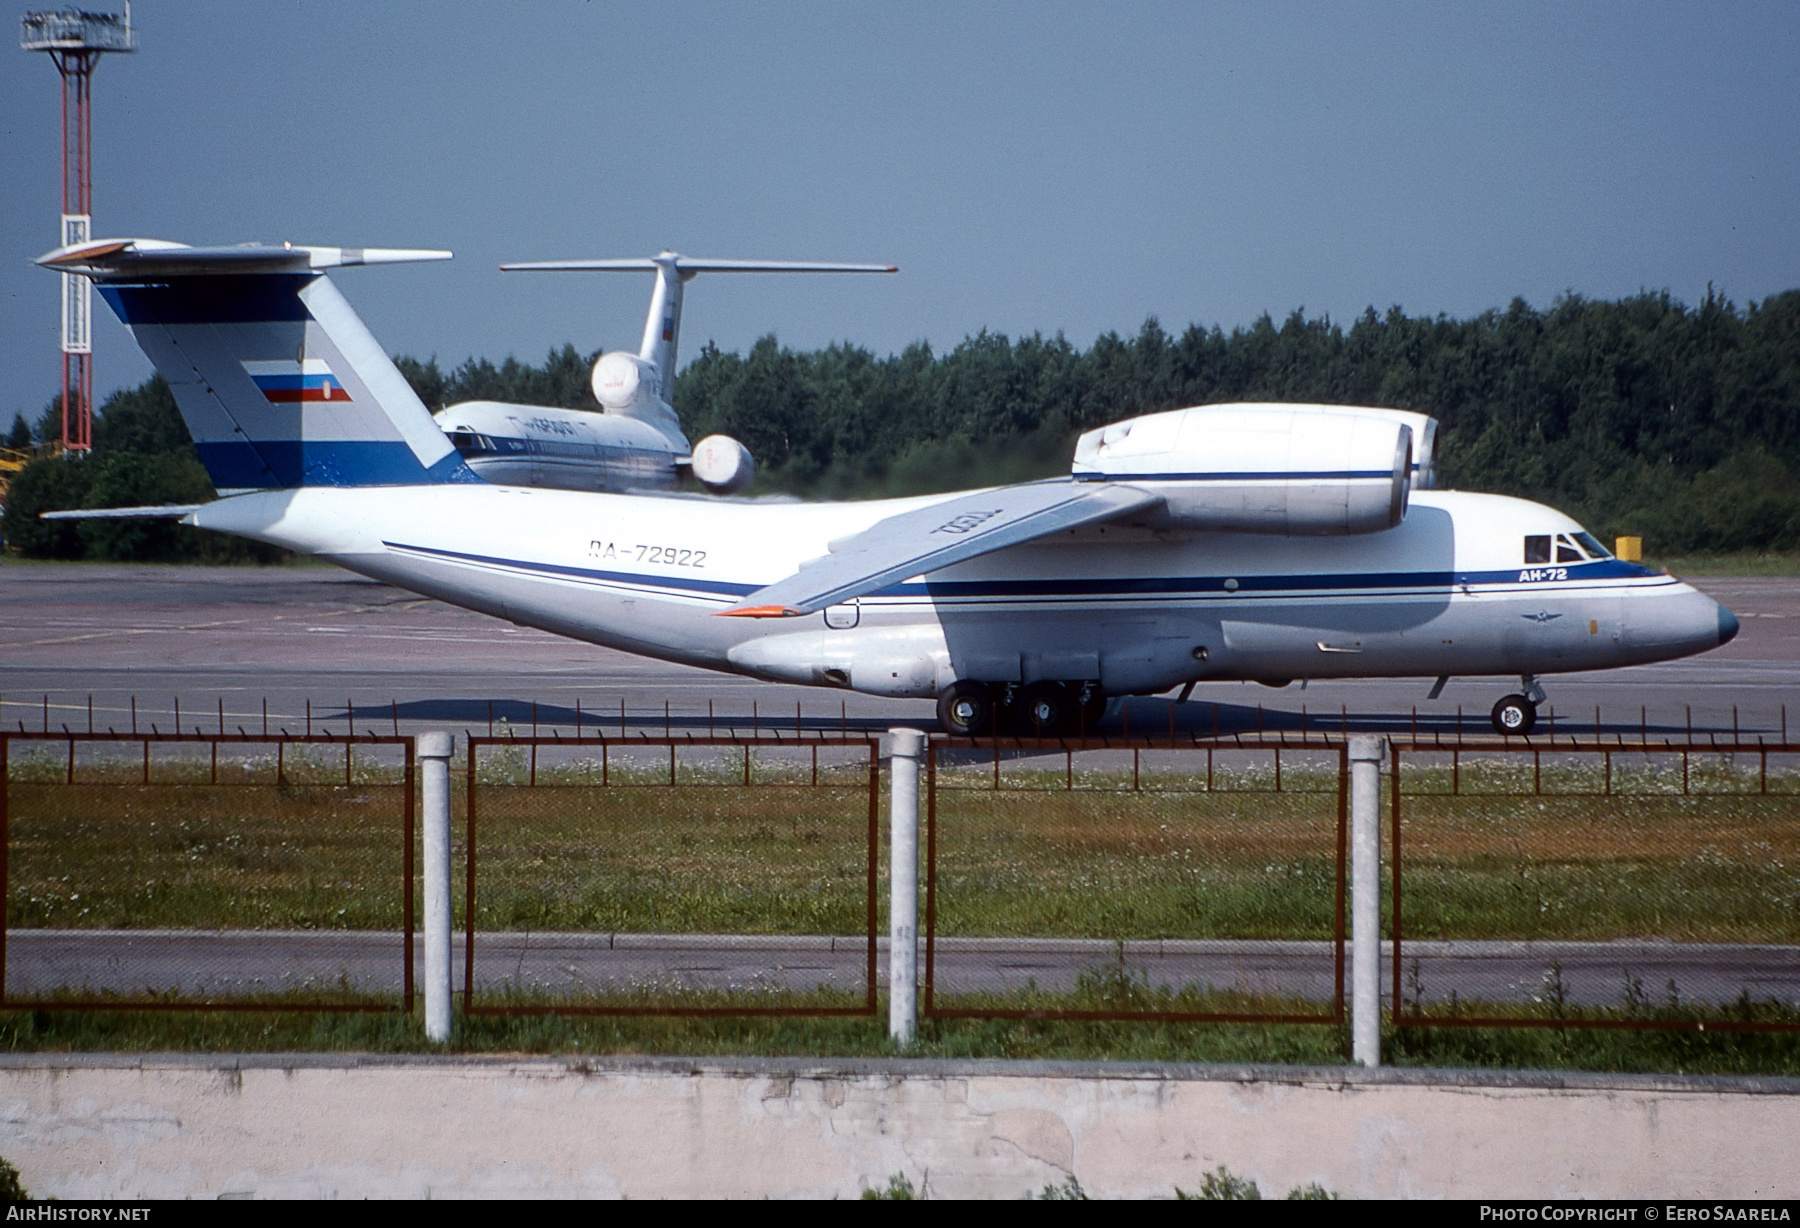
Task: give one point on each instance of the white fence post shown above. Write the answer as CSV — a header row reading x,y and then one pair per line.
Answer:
x,y
434,751
905,748
1365,898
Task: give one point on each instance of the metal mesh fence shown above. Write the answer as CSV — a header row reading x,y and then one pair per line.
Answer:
x,y
671,876
1077,880
1565,882
1596,885
220,872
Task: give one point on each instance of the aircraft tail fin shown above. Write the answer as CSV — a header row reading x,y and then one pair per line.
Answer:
x,y
279,381
662,326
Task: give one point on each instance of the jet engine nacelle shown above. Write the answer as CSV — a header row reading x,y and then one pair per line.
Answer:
x,y
631,387
622,382
1308,471
1424,443
723,464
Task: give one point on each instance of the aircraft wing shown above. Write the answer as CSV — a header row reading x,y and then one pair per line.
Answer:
x,y
914,543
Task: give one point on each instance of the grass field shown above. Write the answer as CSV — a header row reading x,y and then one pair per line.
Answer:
x,y
1123,864
1693,851
1737,563
1685,1052
1685,869
688,859
274,845
1036,858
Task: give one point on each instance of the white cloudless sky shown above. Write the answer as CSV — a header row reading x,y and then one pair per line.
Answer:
x,y
1030,167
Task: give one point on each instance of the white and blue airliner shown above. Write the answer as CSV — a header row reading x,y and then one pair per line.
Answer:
x,y
1265,542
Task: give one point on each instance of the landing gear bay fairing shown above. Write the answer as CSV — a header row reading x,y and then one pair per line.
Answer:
x,y
1264,542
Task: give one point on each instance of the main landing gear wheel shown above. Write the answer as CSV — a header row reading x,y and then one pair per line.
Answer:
x,y
966,709
1514,715
1090,703
1043,710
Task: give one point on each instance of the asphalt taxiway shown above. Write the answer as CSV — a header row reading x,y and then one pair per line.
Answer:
x,y
301,636
224,965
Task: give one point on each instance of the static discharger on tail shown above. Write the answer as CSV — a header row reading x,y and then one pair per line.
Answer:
x,y
1259,542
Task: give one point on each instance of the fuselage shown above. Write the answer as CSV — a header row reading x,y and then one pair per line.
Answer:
x,y
564,449
1467,584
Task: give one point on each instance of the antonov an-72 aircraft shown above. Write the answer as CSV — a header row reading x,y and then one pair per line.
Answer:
x,y
1260,542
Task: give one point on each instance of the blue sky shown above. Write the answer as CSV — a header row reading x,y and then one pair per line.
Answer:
x,y
1030,167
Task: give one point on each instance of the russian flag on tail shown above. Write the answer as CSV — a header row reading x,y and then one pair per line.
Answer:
x,y
285,381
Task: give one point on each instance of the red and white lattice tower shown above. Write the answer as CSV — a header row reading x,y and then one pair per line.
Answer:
x,y
76,41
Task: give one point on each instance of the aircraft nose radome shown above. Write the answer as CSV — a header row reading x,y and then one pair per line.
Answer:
x,y
1728,625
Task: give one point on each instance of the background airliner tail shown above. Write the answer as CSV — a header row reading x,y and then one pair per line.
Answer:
x,y
662,326
279,381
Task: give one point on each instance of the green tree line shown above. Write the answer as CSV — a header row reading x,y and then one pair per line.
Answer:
x,y
1642,415
142,455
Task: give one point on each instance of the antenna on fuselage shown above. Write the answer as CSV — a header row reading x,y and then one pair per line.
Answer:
x,y
662,326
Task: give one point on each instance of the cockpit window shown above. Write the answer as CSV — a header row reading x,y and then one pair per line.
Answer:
x,y
468,443
1537,548
1594,548
1566,551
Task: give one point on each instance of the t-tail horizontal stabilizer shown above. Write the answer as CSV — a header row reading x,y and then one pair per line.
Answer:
x,y
914,543
279,382
162,511
662,326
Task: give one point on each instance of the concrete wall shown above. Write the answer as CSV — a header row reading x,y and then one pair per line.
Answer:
x,y
87,1126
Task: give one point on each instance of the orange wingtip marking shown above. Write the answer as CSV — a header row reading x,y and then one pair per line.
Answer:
x,y
91,250
759,611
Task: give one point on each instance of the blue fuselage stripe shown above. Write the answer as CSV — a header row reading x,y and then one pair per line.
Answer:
x,y
635,579
1348,583
1273,475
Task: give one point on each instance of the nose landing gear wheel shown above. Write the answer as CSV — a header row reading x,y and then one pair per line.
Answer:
x,y
1514,715
966,709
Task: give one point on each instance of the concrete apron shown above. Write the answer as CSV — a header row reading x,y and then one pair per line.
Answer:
x,y
334,1126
